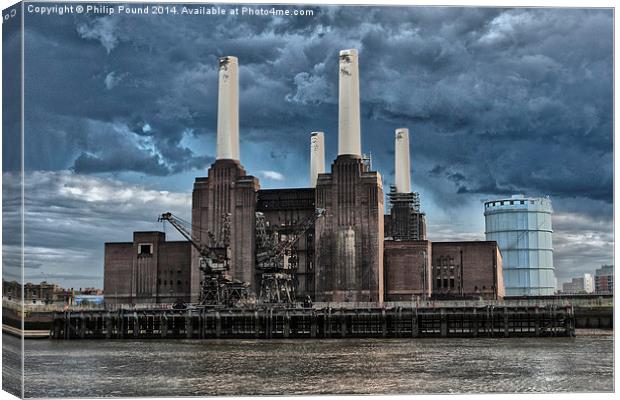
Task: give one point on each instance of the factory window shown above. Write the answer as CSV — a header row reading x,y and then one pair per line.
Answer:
x,y
145,249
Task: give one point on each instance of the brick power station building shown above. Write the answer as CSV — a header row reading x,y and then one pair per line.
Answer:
x,y
353,253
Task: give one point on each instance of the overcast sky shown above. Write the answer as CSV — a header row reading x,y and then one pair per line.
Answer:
x,y
121,117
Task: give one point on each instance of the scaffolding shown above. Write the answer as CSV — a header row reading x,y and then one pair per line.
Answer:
x,y
406,222
277,259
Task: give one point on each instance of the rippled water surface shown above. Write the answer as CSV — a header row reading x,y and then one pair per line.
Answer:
x,y
218,367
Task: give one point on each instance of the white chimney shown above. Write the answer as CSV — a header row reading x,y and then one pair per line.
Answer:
x,y
349,140
401,158
317,156
228,109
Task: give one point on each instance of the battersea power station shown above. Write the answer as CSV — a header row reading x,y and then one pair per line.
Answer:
x,y
329,242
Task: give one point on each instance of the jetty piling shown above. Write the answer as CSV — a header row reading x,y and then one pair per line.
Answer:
x,y
267,323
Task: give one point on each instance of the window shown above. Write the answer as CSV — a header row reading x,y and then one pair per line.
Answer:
x,y
522,202
452,283
445,282
145,249
438,282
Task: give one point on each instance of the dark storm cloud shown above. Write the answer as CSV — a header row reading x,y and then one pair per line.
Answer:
x,y
509,99
498,101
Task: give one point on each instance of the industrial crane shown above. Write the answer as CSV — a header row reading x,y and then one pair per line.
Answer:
x,y
217,287
277,261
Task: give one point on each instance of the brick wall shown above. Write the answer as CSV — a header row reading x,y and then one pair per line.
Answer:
x,y
407,269
467,269
147,270
349,238
227,189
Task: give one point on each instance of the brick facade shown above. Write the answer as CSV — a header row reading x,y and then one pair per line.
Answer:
x,y
407,269
467,269
349,238
226,190
147,270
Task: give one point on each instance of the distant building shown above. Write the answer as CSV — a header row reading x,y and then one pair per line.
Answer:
x,y
604,280
11,290
588,283
575,286
521,226
581,285
91,291
36,293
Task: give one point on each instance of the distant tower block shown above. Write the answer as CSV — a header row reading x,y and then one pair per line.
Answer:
x,y
228,109
349,139
402,166
317,156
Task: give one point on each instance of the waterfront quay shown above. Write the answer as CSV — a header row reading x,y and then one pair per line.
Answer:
x,y
329,322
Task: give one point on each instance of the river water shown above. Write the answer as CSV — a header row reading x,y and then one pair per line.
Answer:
x,y
252,367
